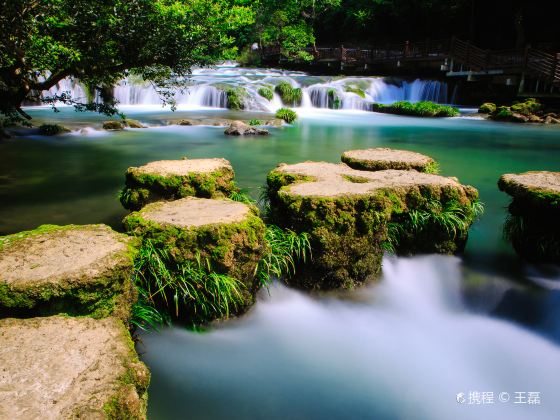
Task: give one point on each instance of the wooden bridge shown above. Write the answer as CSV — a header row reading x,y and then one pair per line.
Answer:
x,y
454,56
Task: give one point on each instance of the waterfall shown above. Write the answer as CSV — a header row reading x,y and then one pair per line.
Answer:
x,y
205,88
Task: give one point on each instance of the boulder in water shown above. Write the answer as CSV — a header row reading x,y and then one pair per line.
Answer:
x,y
533,225
113,125
208,236
133,123
383,158
52,129
239,128
75,270
174,179
61,368
352,216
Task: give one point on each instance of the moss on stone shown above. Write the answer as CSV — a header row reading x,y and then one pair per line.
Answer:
x,y
52,129
113,125
379,159
98,289
487,108
232,247
356,90
533,223
207,178
266,93
348,222
236,97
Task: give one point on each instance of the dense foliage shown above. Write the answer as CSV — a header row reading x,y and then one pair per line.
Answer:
x,y
102,41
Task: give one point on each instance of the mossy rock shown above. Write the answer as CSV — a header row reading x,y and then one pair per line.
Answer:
x,y
533,225
290,96
52,129
226,235
174,179
487,108
383,158
73,270
350,216
133,123
113,125
66,368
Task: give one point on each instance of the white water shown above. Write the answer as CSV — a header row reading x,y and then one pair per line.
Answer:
x,y
402,349
205,90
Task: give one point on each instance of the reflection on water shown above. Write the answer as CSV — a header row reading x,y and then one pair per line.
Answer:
x,y
404,350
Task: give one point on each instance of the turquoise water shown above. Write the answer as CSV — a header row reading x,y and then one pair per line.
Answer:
x,y
366,354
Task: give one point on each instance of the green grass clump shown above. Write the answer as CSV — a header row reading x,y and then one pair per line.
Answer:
x,y
192,287
290,96
419,109
285,248
287,115
432,168
236,97
528,107
266,93
255,122
52,129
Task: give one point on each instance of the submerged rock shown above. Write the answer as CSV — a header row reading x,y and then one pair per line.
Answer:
x,y
352,216
533,226
62,368
174,179
239,128
74,270
383,158
221,236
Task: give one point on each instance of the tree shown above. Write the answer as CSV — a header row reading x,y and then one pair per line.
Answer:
x,y
102,41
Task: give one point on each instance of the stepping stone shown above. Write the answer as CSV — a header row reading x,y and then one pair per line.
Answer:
x,y
76,270
533,225
352,216
174,179
226,235
382,158
61,368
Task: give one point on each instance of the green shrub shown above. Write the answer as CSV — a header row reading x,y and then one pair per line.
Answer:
x,y
419,109
290,95
52,129
487,108
255,122
530,106
287,115
333,99
235,97
266,93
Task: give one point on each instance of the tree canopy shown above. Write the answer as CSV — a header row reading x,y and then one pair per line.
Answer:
x,y
102,41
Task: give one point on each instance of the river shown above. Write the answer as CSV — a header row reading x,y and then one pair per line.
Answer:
x,y
432,331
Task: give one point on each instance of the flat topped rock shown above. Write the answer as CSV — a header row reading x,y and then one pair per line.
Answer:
x,y
534,181
330,179
61,367
383,158
193,212
184,167
51,254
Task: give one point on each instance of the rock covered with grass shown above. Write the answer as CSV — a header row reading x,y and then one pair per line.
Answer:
x,y
74,270
533,225
383,158
61,368
353,216
52,129
174,179
205,252
528,111
418,109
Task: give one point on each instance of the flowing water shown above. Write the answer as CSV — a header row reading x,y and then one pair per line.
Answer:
x,y
431,331
205,88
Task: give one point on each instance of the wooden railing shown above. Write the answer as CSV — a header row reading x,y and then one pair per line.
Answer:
x,y
528,61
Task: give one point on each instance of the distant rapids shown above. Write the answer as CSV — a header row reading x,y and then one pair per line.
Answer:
x,y
206,90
